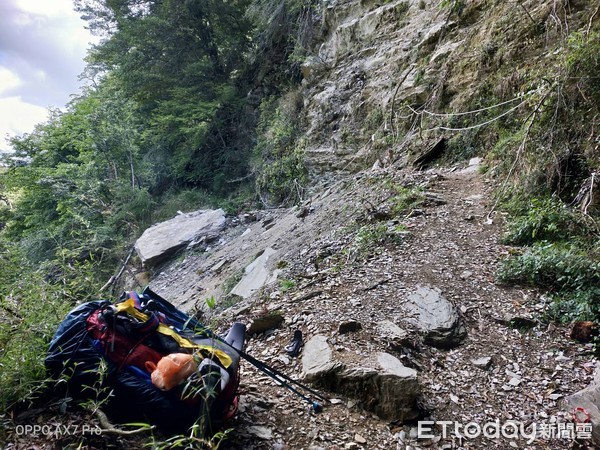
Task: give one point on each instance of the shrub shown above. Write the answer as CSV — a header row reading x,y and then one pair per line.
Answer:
x,y
569,272
560,267
30,313
405,199
281,173
543,219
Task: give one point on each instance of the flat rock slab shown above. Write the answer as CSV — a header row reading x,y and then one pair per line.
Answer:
x,y
435,316
257,274
589,400
390,332
381,383
317,359
264,323
162,240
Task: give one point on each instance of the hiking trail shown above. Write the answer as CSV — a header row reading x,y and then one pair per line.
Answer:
x,y
510,366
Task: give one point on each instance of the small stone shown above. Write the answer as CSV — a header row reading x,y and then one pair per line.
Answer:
x,y
358,438
514,382
388,330
584,331
335,401
317,359
483,362
401,436
435,316
349,326
264,323
260,432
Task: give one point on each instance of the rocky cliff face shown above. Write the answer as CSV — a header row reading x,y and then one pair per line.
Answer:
x,y
396,296
378,62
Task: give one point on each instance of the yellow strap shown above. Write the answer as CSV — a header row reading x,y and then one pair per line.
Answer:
x,y
129,307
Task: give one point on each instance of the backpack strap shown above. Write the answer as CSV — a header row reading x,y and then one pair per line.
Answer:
x,y
128,306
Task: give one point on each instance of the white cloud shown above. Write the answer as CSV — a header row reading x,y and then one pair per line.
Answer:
x,y
48,8
42,46
18,117
8,80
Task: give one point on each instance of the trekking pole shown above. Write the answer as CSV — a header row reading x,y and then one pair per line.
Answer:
x,y
194,326
316,406
276,373
273,373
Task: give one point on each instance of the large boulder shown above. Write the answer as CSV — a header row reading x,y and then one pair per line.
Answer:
x,y
162,240
380,382
589,400
435,317
257,274
317,359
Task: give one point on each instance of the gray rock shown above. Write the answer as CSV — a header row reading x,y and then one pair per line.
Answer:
x,y
483,362
257,274
162,240
261,432
392,333
381,384
264,323
588,399
435,316
317,359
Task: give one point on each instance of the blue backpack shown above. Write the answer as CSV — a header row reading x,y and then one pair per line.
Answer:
x,y
101,349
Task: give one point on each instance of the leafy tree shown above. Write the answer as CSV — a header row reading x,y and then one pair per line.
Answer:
x,y
179,62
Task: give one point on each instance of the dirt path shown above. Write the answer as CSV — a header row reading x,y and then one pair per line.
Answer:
x,y
452,248
499,373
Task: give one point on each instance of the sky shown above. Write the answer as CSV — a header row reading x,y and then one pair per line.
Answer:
x,y
42,46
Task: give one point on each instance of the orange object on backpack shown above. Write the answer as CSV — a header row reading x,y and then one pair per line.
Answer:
x,y
171,370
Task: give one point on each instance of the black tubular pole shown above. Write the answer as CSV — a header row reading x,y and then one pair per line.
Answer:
x,y
193,324
274,372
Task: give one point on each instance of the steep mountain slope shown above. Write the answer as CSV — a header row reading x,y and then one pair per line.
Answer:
x,y
386,82
383,70
510,366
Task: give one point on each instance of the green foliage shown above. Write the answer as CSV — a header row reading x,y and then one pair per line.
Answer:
x,y
545,160
178,62
30,310
571,273
374,120
283,34
278,152
562,256
232,281
211,303
552,265
461,147
286,284
454,6
370,236
582,61
195,439
185,200
545,219
404,199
